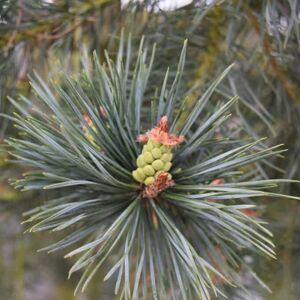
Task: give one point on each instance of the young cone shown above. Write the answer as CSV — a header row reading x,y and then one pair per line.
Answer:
x,y
155,162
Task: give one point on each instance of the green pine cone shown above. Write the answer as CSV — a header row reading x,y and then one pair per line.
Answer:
x,y
158,165
141,162
149,170
154,159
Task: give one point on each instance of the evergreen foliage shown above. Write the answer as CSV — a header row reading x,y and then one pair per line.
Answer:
x,y
185,242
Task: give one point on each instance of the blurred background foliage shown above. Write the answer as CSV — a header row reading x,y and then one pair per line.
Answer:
x,y
261,37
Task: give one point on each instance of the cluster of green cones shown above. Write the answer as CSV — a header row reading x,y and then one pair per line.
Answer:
x,y
155,159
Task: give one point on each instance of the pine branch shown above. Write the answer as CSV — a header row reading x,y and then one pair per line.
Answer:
x,y
184,240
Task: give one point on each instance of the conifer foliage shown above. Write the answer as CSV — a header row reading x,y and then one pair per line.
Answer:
x,y
178,240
